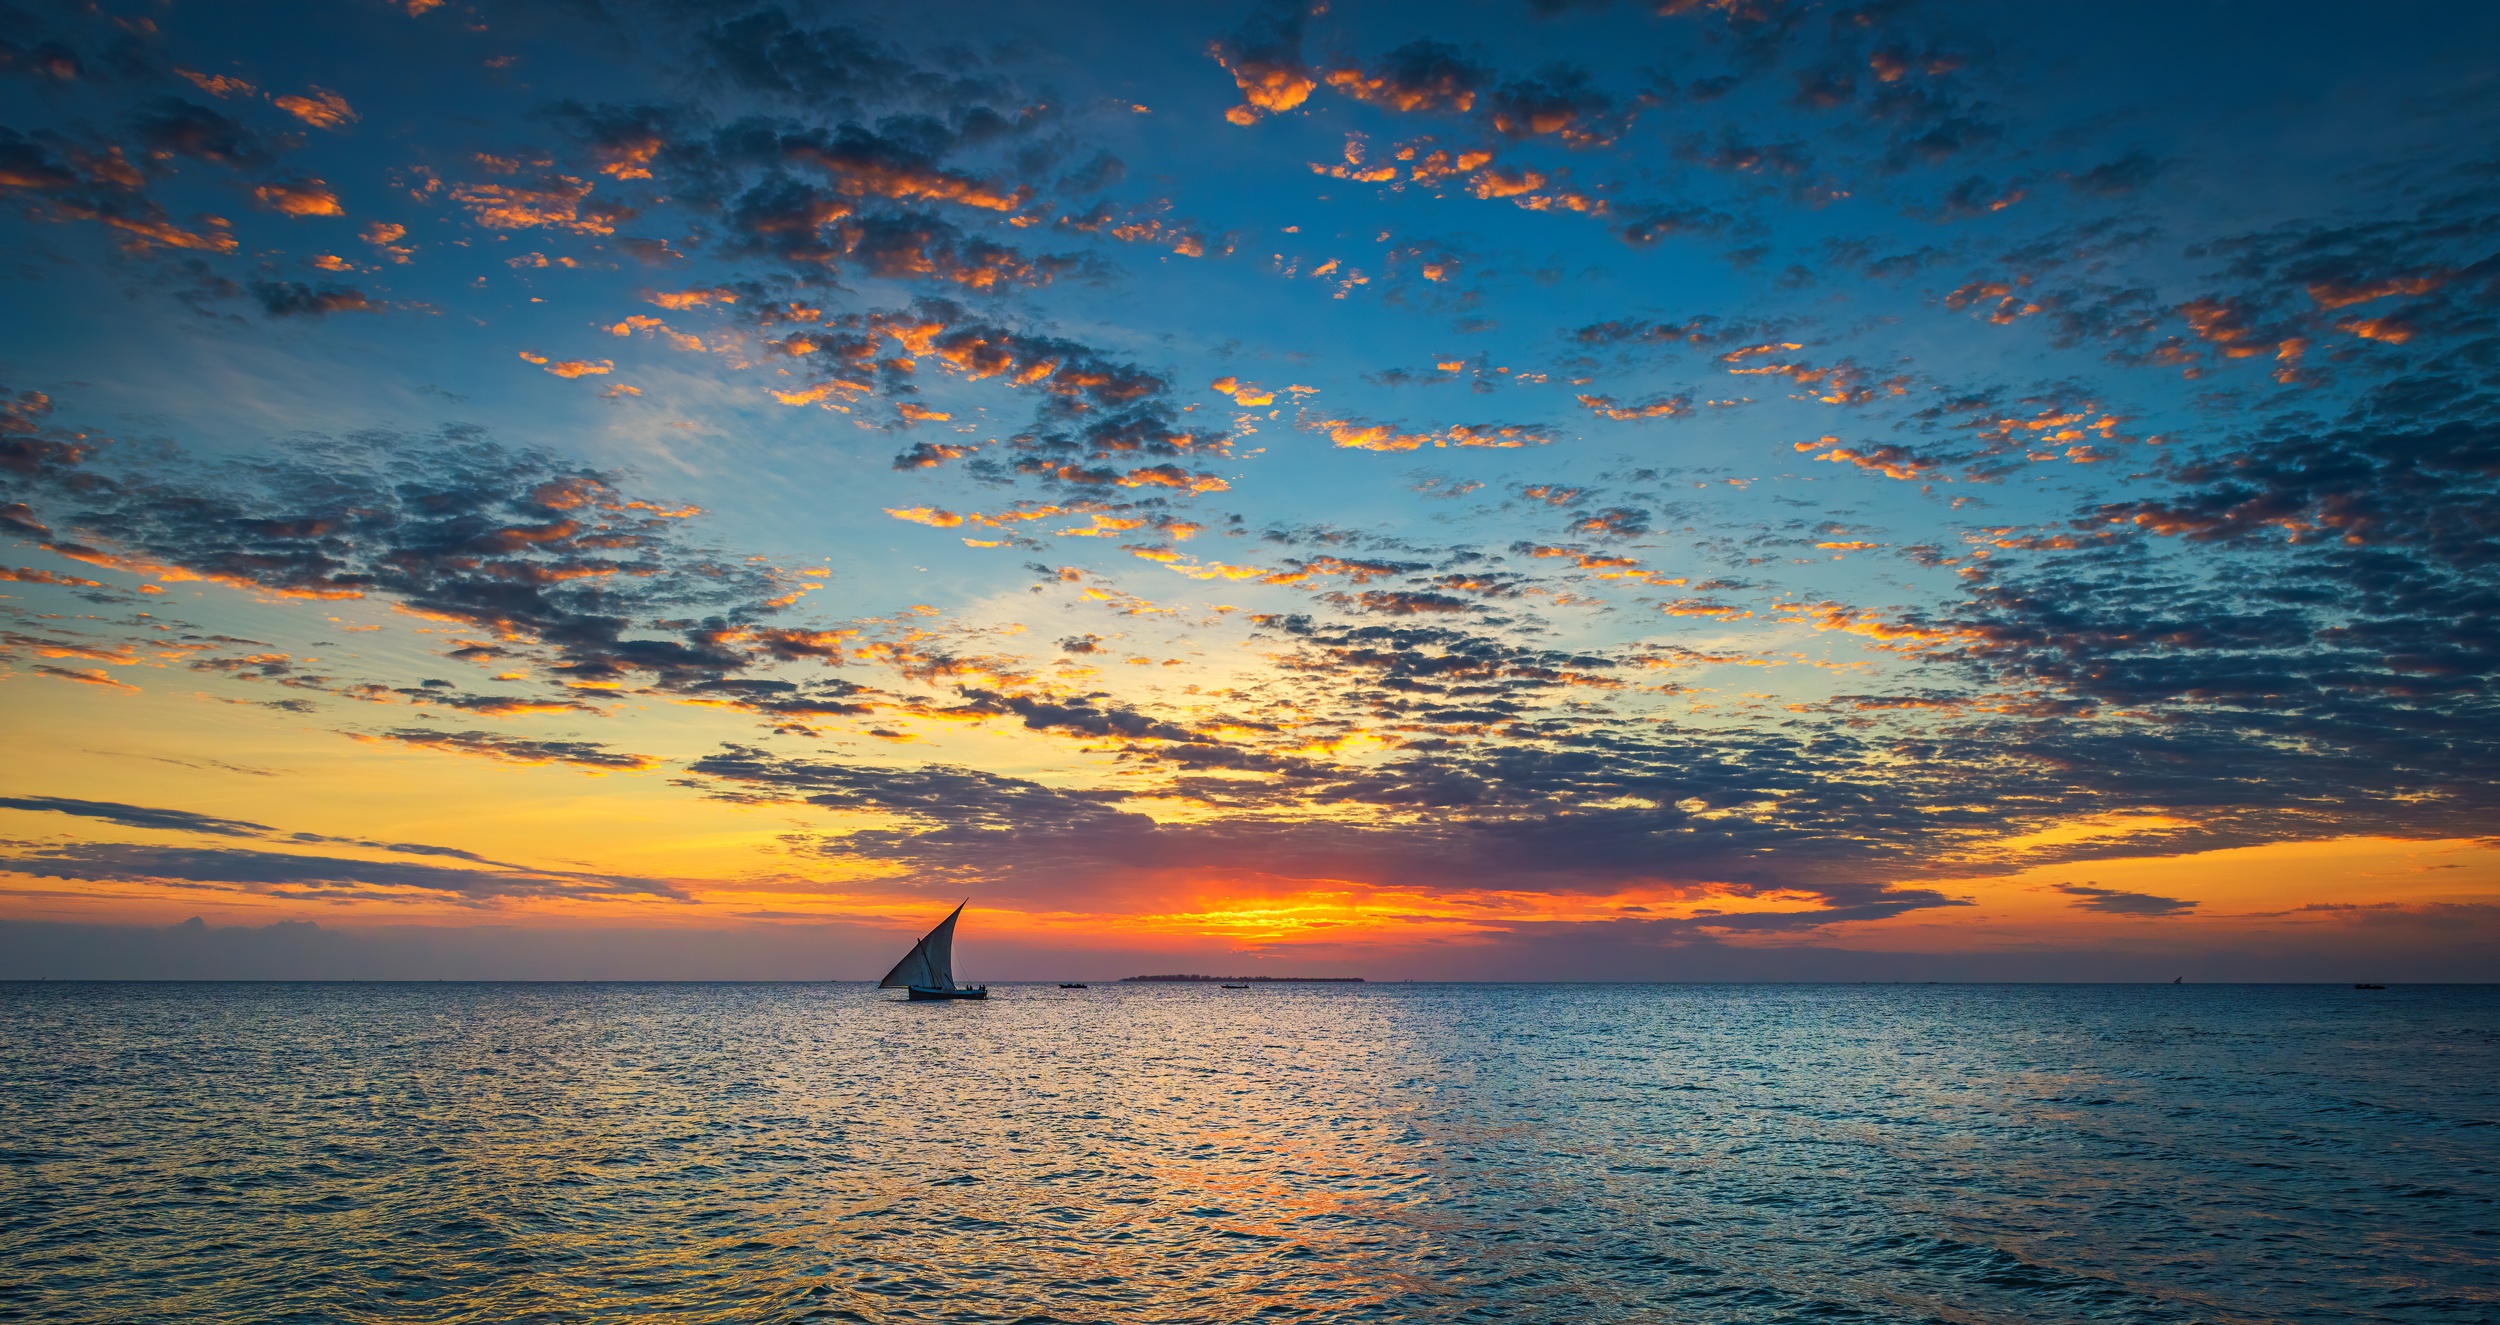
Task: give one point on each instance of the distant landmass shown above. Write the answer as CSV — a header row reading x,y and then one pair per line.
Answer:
x,y
1244,979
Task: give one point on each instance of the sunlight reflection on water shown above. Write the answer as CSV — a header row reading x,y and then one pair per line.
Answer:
x,y
1384,1152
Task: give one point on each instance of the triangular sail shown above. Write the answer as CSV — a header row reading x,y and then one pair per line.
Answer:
x,y
931,962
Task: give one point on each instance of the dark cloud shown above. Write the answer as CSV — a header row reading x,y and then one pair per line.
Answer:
x,y
521,750
2113,901
513,544
139,816
296,299
252,868
2112,179
44,61
173,126
304,875
1095,419
69,181
1044,843
1400,602
1419,76
1264,56
768,51
1560,102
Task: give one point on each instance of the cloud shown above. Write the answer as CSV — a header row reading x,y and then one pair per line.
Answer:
x,y
1401,602
517,545
94,676
25,575
70,182
291,874
302,197
2112,179
296,299
1095,416
240,868
554,202
172,126
2116,902
320,108
138,816
930,455
1264,56
768,51
1419,76
1560,103
589,755
1367,435
1080,845
1655,407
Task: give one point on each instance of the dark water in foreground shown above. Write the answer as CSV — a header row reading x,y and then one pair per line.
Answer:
x,y
1408,1152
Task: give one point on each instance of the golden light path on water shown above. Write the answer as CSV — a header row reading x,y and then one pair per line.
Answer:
x,y
446,1152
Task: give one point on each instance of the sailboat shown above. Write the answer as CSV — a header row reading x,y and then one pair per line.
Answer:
x,y
928,970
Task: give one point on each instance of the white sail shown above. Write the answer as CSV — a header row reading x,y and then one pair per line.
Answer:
x,y
931,962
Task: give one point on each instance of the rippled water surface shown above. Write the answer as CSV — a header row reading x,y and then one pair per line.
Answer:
x,y
499,1153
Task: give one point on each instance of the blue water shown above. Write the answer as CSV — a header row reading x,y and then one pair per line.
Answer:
x,y
237,1152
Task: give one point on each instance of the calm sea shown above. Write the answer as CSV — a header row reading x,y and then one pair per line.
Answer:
x,y
1538,1153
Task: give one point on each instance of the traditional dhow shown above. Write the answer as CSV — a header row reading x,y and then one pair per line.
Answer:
x,y
928,970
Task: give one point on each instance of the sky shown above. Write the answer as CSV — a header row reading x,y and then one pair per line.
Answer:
x,y
1711,489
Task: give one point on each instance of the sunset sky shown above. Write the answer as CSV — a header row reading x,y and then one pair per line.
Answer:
x,y
1713,488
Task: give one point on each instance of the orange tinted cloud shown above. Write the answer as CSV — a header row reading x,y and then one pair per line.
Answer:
x,y
1898,635
1366,435
2009,303
139,233
555,202
1843,383
385,236
323,109
2393,330
25,575
94,676
858,169
1444,89
589,756
1702,607
679,299
823,393
1245,394
1656,407
2331,295
303,197
1172,476
1268,84
1889,461
217,85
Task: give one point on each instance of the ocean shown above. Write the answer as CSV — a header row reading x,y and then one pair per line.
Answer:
x,y
1383,1152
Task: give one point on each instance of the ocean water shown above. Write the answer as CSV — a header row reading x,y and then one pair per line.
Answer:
x,y
1536,1153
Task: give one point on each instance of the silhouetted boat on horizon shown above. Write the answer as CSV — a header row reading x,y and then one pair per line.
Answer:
x,y
928,970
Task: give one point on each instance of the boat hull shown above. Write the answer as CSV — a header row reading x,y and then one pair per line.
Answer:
x,y
921,993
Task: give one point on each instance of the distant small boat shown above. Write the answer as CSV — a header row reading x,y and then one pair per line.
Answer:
x,y
928,970
2178,979
2369,986
1065,985
1236,986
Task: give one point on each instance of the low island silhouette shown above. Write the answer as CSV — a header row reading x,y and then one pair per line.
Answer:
x,y
1243,979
